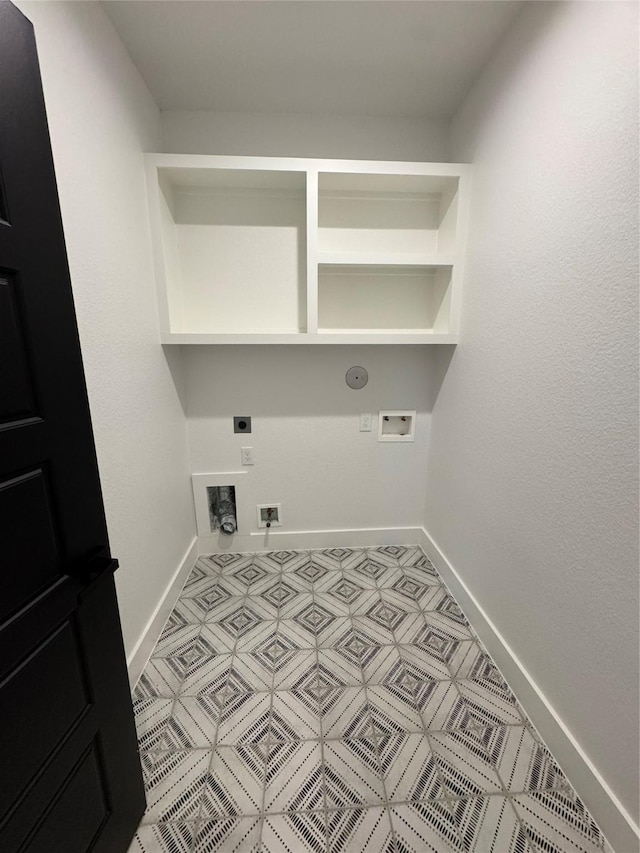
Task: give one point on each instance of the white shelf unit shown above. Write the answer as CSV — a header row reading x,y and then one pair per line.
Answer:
x,y
291,251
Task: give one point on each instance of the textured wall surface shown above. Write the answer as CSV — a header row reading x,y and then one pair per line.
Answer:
x,y
310,455
295,135
532,474
101,117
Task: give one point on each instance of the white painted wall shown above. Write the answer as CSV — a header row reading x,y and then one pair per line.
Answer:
x,y
309,453
101,117
532,474
296,135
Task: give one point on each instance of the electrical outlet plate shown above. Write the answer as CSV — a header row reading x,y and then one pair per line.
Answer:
x,y
275,517
365,423
246,455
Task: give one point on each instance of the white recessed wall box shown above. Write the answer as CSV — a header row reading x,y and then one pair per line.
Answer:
x,y
396,425
203,482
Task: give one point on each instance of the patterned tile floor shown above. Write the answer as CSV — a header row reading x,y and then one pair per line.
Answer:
x,y
338,700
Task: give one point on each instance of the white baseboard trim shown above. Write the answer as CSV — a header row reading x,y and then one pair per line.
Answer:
x,y
277,540
141,652
615,821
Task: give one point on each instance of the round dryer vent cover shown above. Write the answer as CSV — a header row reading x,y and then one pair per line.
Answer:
x,y
357,377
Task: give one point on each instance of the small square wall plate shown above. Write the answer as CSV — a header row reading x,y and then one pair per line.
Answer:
x,y
396,425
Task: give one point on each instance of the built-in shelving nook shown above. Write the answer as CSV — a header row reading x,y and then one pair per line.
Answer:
x,y
275,250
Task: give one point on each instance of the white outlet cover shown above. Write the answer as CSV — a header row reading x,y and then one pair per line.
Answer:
x,y
365,423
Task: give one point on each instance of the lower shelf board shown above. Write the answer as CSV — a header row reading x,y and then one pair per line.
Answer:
x,y
323,336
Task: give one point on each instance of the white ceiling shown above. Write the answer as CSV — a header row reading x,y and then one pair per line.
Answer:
x,y
363,57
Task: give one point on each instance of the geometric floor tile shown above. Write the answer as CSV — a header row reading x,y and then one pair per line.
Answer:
x,y
523,763
352,774
220,639
248,575
420,564
253,670
281,727
274,649
437,641
449,622
295,634
301,715
393,552
206,675
385,667
464,765
448,607
294,777
329,558
393,711
489,706
356,645
554,821
281,561
428,826
489,823
336,670
240,621
476,665
360,831
375,626
224,563
151,716
364,581
345,714
162,677
345,591
222,604
164,838
311,572
240,835
314,618
367,600
409,769
294,833
390,577
201,579
280,594
337,701
194,610
245,719
176,640
256,636
444,708
174,782
235,782
386,614
410,628
193,723
332,604
421,661
293,668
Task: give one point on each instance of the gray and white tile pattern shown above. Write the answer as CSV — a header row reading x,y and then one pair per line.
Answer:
x,y
338,701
